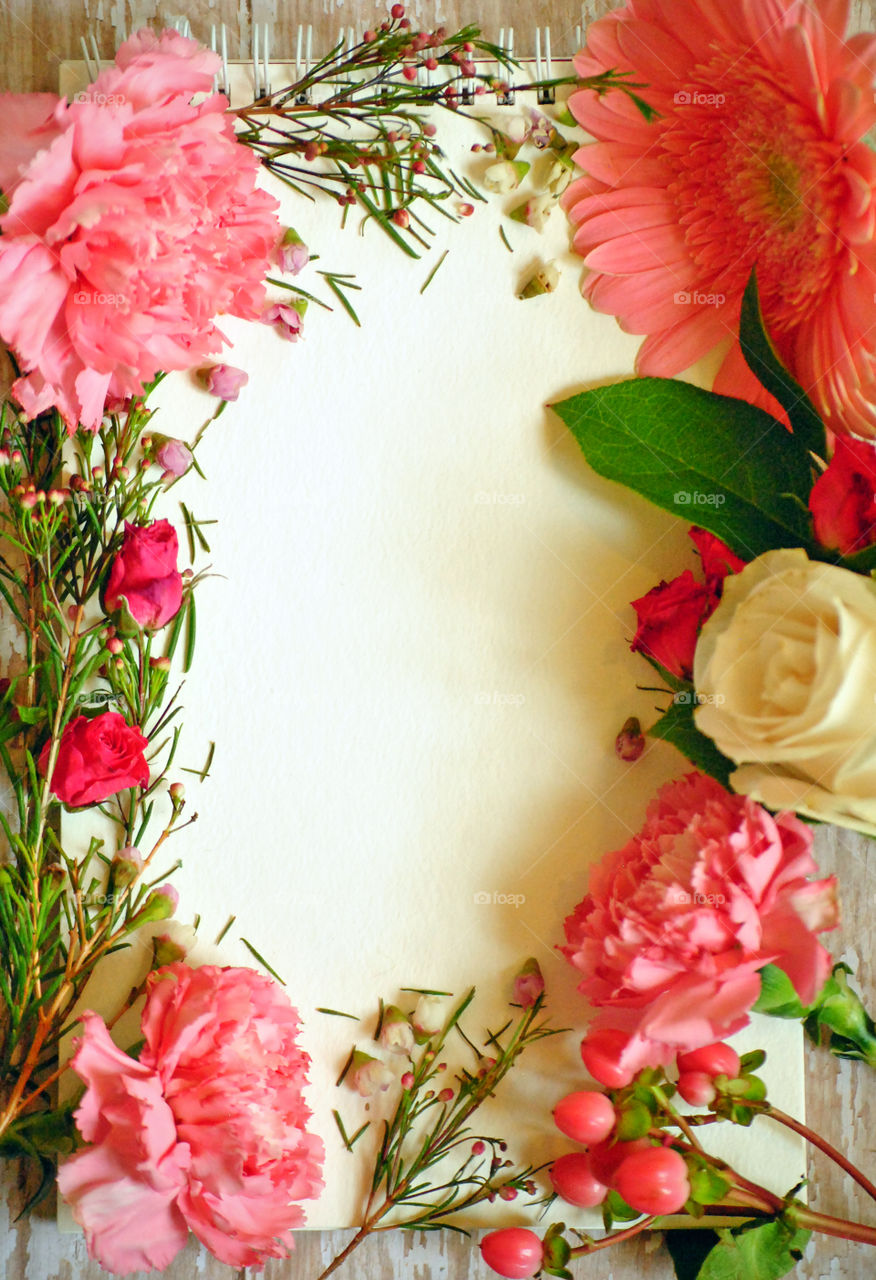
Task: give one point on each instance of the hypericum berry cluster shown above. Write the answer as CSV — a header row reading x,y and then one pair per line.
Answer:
x,y
639,1156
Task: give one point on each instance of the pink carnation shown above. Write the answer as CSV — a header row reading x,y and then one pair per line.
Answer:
x,y
207,1132
756,155
133,220
677,923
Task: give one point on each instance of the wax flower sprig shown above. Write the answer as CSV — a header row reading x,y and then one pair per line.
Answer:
x,y
431,1123
640,1159
90,577
355,124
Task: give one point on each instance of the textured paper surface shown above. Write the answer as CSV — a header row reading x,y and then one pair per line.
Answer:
x,y
413,660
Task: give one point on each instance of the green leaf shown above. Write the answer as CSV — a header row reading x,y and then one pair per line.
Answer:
x,y
677,726
766,1251
763,361
711,459
777,995
689,1250
838,1012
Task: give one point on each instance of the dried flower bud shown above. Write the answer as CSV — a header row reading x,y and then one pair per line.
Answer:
x,y
630,742
428,1017
126,867
368,1075
166,951
396,1032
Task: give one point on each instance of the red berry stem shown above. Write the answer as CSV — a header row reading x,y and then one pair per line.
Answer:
x,y
821,1143
811,1220
593,1246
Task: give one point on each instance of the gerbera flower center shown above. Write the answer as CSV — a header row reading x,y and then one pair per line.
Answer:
x,y
757,183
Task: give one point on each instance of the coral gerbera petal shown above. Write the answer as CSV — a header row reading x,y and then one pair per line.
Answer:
x,y
755,158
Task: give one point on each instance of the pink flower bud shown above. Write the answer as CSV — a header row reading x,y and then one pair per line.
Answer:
x,y
368,1075
294,254
160,905
126,867
407,1080
285,319
529,984
176,457
446,1095
177,792
224,381
115,645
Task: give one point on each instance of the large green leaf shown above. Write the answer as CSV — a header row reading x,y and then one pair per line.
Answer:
x,y
765,1252
763,361
677,726
719,462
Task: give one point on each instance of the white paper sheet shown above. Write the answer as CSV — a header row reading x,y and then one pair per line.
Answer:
x,y
413,660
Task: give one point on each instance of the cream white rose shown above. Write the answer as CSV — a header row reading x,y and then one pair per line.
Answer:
x,y
785,670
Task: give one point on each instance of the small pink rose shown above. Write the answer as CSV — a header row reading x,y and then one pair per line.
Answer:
x,y
144,577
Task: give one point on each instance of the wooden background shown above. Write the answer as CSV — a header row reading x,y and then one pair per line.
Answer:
x,y
35,36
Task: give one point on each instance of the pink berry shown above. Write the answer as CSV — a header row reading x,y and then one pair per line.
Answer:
x,y
654,1181
409,72
696,1088
397,11
715,1059
600,1053
575,1182
514,1252
607,1157
586,1116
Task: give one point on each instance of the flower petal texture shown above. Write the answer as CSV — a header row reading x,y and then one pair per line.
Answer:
x,y
133,220
677,923
755,158
96,757
207,1132
785,670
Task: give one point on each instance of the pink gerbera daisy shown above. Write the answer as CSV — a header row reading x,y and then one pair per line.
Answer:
x,y
755,158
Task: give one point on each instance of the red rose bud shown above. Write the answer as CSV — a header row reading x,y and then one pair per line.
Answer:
x,y
515,1252
670,617
529,984
717,558
224,381
160,905
96,758
144,582
630,742
843,498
